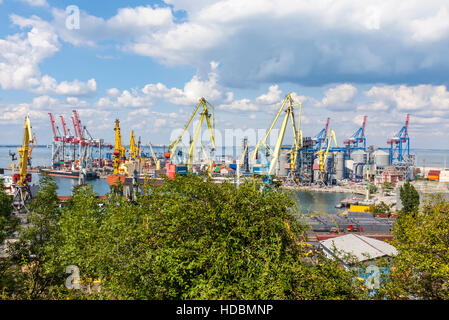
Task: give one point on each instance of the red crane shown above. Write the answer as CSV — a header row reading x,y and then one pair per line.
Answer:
x,y
56,137
64,127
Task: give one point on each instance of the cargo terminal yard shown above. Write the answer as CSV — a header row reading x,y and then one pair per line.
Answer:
x,y
317,164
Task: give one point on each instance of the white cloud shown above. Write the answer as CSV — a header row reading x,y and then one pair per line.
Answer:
x,y
65,88
113,92
188,96
45,102
374,106
422,98
36,3
266,41
273,96
339,98
431,28
239,105
21,54
125,25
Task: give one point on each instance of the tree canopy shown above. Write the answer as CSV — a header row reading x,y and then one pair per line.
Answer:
x,y
409,198
421,269
188,238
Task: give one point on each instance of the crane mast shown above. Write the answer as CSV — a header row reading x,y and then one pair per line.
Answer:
x,y
297,134
21,189
119,150
324,151
134,152
208,110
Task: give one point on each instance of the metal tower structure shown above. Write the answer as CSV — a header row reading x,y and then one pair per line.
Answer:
x,y
321,136
358,140
400,144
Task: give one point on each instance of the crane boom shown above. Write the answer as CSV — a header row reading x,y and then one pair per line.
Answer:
x,y
118,149
205,114
134,152
324,151
297,134
64,127
25,153
56,137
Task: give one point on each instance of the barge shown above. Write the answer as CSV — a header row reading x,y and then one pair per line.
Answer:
x,y
73,174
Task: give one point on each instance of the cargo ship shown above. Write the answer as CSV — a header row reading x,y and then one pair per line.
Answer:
x,y
73,174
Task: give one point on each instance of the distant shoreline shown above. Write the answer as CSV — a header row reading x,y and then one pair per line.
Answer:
x,y
162,145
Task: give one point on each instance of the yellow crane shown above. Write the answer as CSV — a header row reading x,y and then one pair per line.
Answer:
x,y
289,105
324,151
134,150
157,163
242,157
25,153
22,191
119,150
207,110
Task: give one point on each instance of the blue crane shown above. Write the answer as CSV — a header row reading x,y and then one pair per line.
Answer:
x,y
358,140
321,136
400,144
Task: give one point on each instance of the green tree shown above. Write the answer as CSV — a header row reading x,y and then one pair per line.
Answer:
x,y
8,225
372,189
8,222
387,187
382,208
192,239
409,198
37,245
421,268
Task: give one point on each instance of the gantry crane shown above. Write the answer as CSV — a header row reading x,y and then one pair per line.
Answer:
x,y
21,187
324,152
56,145
297,134
358,140
321,136
207,110
400,144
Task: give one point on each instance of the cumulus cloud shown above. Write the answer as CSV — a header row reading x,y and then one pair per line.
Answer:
x,y
65,88
311,43
239,105
339,98
21,54
424,99
127,24
35,3
190,95
273,96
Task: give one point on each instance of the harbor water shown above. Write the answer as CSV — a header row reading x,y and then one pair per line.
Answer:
x,y
307,202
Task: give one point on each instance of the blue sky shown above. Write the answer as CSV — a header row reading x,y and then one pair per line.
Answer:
x,y
149,62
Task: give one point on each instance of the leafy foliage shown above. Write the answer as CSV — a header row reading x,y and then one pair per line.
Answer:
x,y
372,189
382,207
421,269
27,264
8,223
185,239
387,187
409,198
